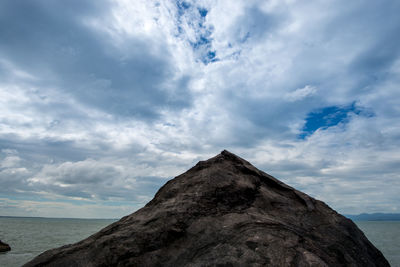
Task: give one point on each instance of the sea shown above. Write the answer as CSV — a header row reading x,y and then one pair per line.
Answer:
x,y
28,237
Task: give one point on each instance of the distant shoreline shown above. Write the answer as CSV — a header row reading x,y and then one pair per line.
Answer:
x,y
374,217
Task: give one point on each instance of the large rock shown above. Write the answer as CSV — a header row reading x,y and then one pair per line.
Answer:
x,y
4,247
224,212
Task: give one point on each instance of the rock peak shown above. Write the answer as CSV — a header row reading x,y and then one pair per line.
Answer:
x,y
226,155
230,156
224,212
225,159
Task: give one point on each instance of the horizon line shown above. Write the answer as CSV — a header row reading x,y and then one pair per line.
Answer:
x,y
80,218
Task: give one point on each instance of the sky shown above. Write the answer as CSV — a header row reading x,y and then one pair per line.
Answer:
x,y
102,102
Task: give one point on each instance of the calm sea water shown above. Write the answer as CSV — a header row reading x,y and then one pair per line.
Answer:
x,y
28,237
385,236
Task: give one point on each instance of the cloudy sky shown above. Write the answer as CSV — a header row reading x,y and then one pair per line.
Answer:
x,y
101,102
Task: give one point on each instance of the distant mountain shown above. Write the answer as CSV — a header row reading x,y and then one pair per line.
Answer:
x,y
375,217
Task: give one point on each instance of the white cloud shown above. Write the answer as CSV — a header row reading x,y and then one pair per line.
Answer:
x,y
127,102
301,93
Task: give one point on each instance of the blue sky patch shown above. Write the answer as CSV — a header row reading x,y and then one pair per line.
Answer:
x,y
203,12
209,57
182,6
330,116
202,41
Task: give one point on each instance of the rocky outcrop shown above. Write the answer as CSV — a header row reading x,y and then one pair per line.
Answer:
x,y
4,247
224,212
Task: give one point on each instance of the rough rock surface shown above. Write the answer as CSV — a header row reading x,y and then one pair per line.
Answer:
x,y
4,247
224,212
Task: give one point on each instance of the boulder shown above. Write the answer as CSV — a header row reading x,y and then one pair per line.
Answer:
x,y
4,247
224,212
